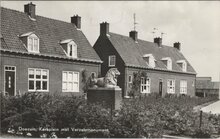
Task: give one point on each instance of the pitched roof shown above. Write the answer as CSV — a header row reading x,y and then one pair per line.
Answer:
x,y
49,31
132,53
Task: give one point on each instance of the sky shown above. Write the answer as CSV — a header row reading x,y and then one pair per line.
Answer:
x,y
195,24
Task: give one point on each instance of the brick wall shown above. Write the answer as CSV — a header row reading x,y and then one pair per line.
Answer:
x,y
155,77
104,49
55,68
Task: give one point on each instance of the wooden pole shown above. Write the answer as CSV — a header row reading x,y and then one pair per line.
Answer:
x,y
200,119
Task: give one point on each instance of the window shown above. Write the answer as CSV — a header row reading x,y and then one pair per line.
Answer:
x,y
150,60
72,50
111,61
168,62
31,41
145,85
33,44
183,87
129,79
70,81
38,79
182,64
171,86
69,47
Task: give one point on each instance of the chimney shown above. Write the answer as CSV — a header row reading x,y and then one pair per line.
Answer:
x,y
134,35
30,10
177,45
158,40
76,20
104,28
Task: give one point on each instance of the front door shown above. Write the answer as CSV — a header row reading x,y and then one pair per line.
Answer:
x,y
160,88
10,80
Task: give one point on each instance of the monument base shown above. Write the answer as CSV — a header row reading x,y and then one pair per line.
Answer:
x,y
108,97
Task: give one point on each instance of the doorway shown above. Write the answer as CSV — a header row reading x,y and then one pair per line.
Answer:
x,y
10,80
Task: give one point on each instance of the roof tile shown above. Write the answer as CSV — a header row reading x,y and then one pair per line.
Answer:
x,y
49,31
132,52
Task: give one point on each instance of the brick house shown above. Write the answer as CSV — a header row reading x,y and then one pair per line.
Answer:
x,y
43,54
167,69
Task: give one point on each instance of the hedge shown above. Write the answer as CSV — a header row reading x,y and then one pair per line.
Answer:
x,y
150,116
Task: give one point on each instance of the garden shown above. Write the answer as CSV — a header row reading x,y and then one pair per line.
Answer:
x,y
52,115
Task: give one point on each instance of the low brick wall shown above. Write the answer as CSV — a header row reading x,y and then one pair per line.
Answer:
x,y
109,97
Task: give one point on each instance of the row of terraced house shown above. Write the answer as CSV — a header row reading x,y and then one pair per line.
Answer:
x,y
48,55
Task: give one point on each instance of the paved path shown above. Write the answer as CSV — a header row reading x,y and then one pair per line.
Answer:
x,y
199,107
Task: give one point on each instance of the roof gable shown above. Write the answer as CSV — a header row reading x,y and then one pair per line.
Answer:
x,y
49,31
66,41
132,53
28,34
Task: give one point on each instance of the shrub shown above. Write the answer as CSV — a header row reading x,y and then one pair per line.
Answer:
x,y
144,116
137,120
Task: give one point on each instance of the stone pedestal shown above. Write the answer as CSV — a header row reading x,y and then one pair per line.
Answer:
x,y
109,97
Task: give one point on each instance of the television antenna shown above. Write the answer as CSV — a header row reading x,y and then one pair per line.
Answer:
x,y
135,23
162,33
154,31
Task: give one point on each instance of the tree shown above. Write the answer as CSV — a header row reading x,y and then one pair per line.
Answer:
x,y
136,83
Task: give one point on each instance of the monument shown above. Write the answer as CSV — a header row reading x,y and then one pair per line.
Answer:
x,y
105,91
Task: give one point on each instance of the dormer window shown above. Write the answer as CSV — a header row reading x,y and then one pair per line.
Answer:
x,y
31,41
182,64
168,62
33,44
150,60
70,48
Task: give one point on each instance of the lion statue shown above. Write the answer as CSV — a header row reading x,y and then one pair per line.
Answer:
x,y
109,81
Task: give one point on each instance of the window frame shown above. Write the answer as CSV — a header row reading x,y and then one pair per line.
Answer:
x,y
68,90
169,64
147,85
109,60
183,65
183,86
33,37
130,79
41,80
150,60
169,86
184,68
72,46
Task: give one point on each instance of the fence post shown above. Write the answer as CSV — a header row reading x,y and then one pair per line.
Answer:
x,y
200,119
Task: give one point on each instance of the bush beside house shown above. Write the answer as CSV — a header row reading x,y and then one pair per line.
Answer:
x,y
150,116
